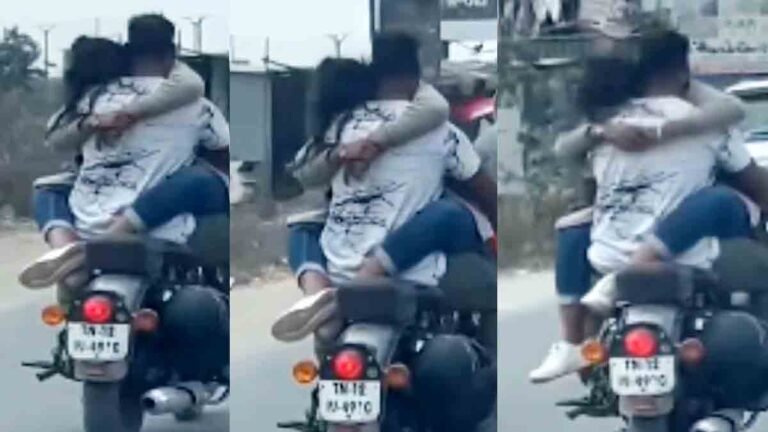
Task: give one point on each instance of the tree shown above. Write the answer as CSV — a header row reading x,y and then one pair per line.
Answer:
x,y
18,53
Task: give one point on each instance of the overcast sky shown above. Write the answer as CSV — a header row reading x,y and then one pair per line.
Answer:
x,y
72,18
298,29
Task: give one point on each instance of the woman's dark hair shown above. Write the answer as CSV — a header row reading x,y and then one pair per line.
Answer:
x,y
93,62
607,83
340,85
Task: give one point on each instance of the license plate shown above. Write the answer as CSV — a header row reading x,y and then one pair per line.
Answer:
x,y
349,401
651,376
100,342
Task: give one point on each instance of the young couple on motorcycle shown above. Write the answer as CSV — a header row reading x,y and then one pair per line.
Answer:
x,y
134,118
384,148
658,142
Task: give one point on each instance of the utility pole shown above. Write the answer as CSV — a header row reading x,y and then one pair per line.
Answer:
x,y
46,48
338,40
197,25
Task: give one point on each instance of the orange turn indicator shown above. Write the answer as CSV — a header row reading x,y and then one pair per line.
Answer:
x,y
397,377
53,315
146,321
304,372
594,352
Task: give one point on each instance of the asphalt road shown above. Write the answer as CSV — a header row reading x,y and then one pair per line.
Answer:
x,y
52,406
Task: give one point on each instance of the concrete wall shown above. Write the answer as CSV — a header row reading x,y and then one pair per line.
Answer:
x,y
250,120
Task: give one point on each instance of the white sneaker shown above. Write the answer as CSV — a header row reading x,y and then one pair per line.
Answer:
x,y
601,299
563,359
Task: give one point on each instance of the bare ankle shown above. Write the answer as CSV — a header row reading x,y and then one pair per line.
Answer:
x,y
60,237
371,269
121,225
312,282
646,254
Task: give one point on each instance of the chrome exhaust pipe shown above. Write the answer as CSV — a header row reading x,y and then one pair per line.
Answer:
x,y
175,399
721,421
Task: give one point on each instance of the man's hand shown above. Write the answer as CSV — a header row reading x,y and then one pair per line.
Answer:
x,y
628,137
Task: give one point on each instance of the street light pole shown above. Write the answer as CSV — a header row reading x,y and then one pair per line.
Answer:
x,y
46,60
338,40
197,25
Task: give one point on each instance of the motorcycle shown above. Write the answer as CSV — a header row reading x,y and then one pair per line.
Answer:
x,y
682,352
114,340
364,383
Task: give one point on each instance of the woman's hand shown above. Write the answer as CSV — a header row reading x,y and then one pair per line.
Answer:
x,y
629,137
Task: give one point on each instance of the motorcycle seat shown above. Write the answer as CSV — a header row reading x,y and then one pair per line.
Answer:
x,y
469,283
385,301
663,284
742,266
137,256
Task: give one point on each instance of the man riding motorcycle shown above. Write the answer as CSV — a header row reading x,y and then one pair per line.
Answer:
x,y
369,205
117,169
573,270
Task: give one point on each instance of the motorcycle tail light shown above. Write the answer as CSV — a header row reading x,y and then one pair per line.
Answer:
x,y
641,342
98,310
304,372
348,365
691,352
53,315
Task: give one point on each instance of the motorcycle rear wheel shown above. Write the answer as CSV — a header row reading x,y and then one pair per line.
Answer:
x,y
648,424
110,407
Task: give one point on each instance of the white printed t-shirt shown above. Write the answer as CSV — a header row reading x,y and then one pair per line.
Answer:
x,y
114,174
635,190
397,185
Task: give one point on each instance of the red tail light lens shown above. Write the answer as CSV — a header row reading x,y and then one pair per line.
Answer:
x,y
641,343
98,310
348,365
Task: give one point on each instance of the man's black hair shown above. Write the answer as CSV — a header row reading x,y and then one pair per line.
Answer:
x,y
396,55
151,35
663,51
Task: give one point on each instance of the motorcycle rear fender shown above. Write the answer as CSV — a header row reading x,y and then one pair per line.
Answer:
x,y
666,318
131,289
669,320
380,339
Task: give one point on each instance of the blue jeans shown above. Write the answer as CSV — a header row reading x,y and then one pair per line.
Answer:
x,y
196,189
715,211
445,226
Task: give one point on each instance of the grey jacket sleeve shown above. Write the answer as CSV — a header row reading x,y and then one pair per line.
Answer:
x,y
718,109
428,110
183,86
573,146
315,168
67,136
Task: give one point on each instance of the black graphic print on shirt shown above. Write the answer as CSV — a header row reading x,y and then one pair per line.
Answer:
x,y
351,214
623,201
